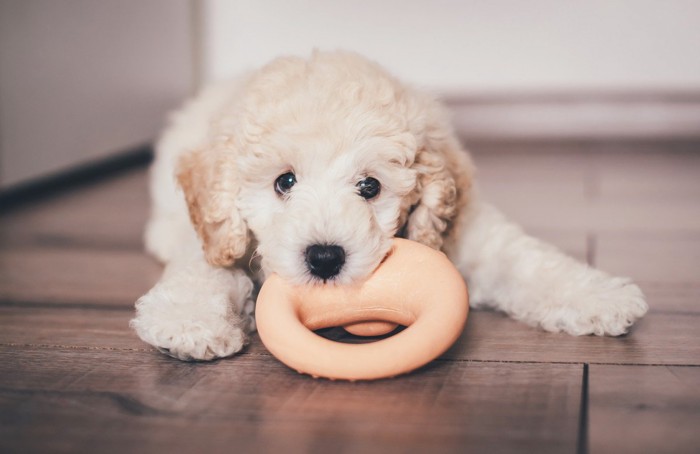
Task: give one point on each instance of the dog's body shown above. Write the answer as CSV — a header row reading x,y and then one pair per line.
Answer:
x,y
313,166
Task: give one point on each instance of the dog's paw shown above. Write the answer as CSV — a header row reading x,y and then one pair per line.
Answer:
x,y
607,307
193,341
189,337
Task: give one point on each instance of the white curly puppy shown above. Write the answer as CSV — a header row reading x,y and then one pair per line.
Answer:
x,y
314,165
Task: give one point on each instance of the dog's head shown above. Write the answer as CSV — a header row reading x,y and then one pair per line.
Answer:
x,y
324,161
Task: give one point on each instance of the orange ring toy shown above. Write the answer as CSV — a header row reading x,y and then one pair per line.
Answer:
x,y
415,286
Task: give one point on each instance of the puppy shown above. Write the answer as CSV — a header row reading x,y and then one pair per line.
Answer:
x,y
308,168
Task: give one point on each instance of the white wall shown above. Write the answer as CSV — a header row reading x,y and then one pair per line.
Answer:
x,y
81,79
472,46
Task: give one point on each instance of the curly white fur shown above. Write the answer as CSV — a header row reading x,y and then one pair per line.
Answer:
x,y
333,120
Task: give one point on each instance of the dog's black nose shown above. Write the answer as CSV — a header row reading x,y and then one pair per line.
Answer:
x,y
325,260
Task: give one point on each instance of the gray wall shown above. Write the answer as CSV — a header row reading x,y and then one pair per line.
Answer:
x,y
82,79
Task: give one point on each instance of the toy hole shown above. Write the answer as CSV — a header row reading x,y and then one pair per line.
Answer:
x,y
340,334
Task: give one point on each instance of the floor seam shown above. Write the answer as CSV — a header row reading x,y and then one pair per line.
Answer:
x,y
594,363
489,361
582,442
28,304
74,347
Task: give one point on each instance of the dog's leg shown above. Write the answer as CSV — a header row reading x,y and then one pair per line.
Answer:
x,y
196,311
534,282
188,128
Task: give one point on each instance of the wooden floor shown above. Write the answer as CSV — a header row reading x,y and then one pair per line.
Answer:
x,y
74,378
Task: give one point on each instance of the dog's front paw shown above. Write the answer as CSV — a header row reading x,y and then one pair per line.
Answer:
x,y
194,341
189,337
607,306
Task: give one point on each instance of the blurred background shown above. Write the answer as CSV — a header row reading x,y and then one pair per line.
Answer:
x,y
83,80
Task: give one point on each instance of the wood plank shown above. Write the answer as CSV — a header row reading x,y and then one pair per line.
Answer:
x,y
679,299
542,213
554,171
595,191
109,214
659,338
644,409
666,267
663,216
75,276
654,171
80,328
670,260
646,187
65,327
149,403
530,182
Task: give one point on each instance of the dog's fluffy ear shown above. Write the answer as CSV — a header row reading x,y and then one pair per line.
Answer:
x,y
209,181
444,180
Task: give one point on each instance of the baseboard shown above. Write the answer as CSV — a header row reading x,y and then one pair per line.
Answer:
x,y
48,186
577,116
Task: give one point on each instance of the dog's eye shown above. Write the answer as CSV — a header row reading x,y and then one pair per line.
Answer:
x,y
369,188
284,183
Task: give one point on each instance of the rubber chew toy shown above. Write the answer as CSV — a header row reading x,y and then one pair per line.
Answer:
x,y
415,286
